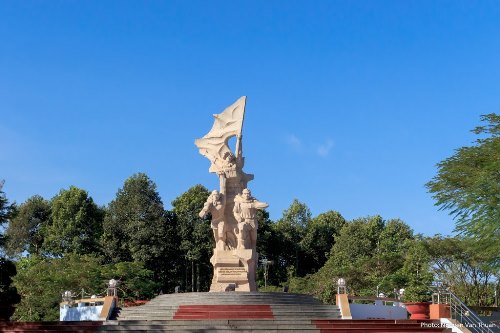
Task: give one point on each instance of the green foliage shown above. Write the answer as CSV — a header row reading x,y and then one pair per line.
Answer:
x,y
468,184
267,238
368,253
186,207
458,266
138,229
8,293
6,212
416,270
297,215
291,229
76,224
319,239
391,250
135,281
25,230
41,282
196,238
132,221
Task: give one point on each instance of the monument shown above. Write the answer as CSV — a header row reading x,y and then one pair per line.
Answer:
x,y
233,208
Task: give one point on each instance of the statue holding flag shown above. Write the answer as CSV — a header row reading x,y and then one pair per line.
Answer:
x,y
232,208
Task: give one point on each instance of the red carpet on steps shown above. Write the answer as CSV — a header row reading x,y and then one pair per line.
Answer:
x,y
224,312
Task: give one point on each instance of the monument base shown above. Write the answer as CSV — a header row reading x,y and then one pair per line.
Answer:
x,y
234,270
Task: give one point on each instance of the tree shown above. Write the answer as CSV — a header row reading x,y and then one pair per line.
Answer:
x,y
76,224
353,255
319,239
291,229
195,235
416,271
368,253
457,266
267,248
137,228
41,281
25,230
468,184
135,281
297,215
390,253
8,293
6,212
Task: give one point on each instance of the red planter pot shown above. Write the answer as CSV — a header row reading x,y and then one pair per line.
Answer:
x,y
418,310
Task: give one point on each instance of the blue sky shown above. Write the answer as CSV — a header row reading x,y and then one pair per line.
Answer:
x,y
350,103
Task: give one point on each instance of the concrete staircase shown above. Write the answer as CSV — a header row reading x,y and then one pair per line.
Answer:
x,y
240,312
230,305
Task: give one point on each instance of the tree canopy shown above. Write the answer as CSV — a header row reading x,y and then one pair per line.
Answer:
x,y
458,266
6,211
137,228
76,223
8,293
468,185
368,253
195,237
26,228
41,282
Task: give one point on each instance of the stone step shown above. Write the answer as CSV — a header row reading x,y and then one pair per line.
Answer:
x,y
270,325
202,326
214,322
211,330
374,326
226,326
236,297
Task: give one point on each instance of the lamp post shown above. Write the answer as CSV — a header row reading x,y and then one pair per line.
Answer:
x,y
112,288
496,295
67,296
401,292
341,286
266,264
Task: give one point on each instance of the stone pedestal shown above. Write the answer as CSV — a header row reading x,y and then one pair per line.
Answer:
x,y
234,268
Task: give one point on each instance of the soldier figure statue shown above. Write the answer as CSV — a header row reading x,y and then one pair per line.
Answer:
x,y
245,210
215,206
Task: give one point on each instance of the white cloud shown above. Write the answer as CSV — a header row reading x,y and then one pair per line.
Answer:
x,y
294,142
324,149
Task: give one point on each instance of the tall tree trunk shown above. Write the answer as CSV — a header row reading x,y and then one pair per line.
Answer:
x,y
296,260
186,278
198,277
192,275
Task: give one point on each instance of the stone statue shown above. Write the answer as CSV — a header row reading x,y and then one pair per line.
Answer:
x,y
245,209
215,206
233,209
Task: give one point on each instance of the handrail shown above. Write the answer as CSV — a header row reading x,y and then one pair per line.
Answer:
x,y
461,312
342,301
373,298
